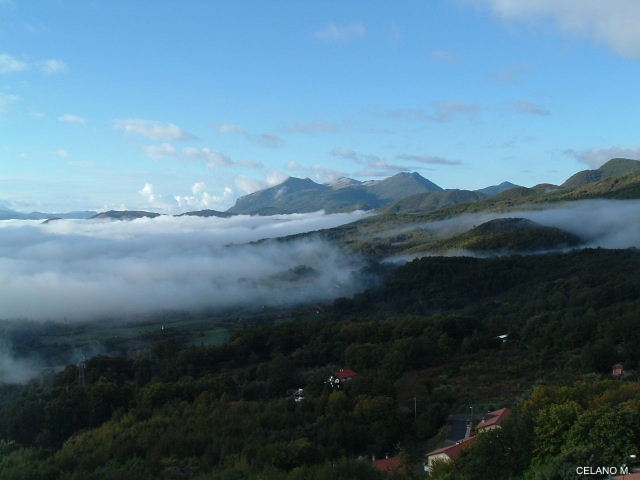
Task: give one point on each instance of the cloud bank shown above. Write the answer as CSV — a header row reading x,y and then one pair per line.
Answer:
x,y
603,22
599,223
84,270
596,157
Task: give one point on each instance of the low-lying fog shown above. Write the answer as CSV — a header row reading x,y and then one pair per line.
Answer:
x,y
83,269
599,223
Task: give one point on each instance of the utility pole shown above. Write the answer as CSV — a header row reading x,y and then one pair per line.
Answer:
x,y
81,367
415,409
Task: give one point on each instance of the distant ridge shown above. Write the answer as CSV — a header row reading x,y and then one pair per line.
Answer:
x,y
403,193
431,201
296,195
496,189
124,215
205,213
613,168
402,185
6,214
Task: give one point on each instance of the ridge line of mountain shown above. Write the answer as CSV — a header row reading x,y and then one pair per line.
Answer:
x,y
404,192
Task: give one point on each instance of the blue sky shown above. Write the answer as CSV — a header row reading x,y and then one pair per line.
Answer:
x,y
171,105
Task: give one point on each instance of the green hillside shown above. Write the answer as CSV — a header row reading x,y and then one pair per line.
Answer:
x,y
505,235
615,167
429,337
430,201
620,187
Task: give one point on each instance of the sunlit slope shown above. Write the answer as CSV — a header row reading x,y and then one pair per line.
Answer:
x,y
505,235
412,226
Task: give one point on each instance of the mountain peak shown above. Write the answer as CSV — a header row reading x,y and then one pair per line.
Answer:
x,y
496,189
298,183
402,185
619,166
344,182
297,195
613,168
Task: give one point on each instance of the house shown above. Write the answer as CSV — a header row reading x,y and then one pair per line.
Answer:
x,y
298,395
492,420
617,370
446,454
387,465
340,377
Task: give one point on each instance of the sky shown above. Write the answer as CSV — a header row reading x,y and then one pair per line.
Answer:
x,y
173,105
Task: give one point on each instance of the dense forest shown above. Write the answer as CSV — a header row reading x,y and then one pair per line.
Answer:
x,y
536,333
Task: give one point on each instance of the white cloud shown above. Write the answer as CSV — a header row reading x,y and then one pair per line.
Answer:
x,y
82,163
160,151
445,55
249,163
428,159
249,185
333,33
7,99
447,110
596,157
317,172
344,153
198,187
511,75
276,178
211,158
83,270
147,192
230,128
441,111
525,106
152,129
53,66
10,64
201,199
61,152
376,165
70,118
310,128
611,22
265,139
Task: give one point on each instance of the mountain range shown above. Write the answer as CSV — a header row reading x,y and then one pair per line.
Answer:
x,y
411,193
8,214
402,193
297,195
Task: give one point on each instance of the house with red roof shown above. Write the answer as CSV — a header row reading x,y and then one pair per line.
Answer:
x,y
492,420
388,465
448,453
343,375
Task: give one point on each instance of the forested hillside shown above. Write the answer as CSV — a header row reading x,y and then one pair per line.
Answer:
x,y
426,343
